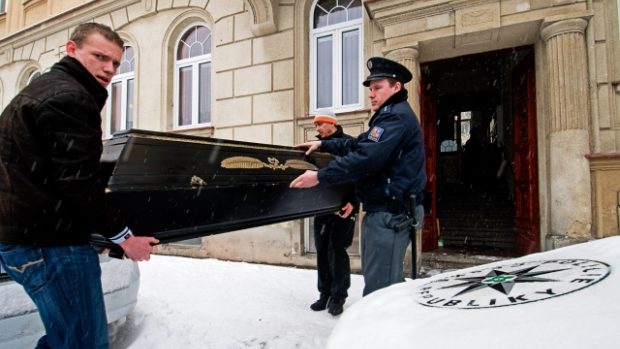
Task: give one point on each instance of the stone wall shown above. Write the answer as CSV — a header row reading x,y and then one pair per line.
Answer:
x,y
605,76
605,170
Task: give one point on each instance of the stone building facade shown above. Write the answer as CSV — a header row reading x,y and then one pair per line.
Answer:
x,y
256,77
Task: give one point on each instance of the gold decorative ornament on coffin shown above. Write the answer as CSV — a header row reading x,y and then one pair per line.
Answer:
x,y
197,181
246,162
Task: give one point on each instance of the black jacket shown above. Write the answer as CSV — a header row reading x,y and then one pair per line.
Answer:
x,y
51,187
339,134
386,162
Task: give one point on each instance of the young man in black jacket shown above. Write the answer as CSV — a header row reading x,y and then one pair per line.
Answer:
x,y
386,163
52,191
333,234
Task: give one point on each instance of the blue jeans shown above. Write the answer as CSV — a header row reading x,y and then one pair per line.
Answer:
x,y
65,284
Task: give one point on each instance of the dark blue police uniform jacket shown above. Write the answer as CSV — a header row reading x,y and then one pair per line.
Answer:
x,y
386,162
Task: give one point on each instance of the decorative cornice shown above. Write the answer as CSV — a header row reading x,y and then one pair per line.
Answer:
x,y
609,155
387,13
64,21
264,17
461,4
604,161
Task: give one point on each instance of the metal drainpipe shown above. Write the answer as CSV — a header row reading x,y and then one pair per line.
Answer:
x,y
596,146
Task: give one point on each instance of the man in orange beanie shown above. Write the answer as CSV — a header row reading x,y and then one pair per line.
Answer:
x,y
333,234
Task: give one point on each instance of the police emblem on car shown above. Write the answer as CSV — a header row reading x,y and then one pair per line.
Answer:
x,y
511,283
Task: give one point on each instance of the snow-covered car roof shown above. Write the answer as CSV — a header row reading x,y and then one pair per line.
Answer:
x,y
564,298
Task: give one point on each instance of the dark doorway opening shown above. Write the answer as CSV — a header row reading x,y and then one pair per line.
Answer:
x,y
471,106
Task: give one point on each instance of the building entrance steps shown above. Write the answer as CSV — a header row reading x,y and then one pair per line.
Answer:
x,y
445,259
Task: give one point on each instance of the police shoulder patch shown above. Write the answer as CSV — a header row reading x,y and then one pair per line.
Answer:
x,y
375,134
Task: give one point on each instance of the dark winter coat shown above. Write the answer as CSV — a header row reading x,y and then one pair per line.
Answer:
x,y
386,162
339,134
51,190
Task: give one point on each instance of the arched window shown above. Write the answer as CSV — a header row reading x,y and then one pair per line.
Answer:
x,y
121,91
193,77
33,75
336,55
29,75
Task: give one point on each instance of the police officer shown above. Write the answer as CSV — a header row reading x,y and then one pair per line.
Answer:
x,y
333,234
386,163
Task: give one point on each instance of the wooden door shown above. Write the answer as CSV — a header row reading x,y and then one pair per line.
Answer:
x,y
428,120
527,227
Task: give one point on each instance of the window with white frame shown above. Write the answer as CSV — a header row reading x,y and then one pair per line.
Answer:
x,y
2,6
121,91
192,92
336,55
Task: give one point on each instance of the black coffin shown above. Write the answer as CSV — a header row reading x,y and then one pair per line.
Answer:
x,y
176,187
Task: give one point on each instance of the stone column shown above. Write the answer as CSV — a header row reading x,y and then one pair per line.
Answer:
x,y
408,56
569,142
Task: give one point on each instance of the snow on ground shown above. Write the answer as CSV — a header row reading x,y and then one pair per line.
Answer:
x,y
565,298
206,303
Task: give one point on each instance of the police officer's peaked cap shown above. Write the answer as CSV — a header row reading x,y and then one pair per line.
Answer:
x,y
381,68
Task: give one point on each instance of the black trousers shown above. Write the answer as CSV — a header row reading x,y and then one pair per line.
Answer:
x,y
332,236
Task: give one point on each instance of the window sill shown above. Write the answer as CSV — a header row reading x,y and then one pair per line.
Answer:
x,y
195,130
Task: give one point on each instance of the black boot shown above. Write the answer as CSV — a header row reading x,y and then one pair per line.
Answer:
x,y
320,304
335,306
